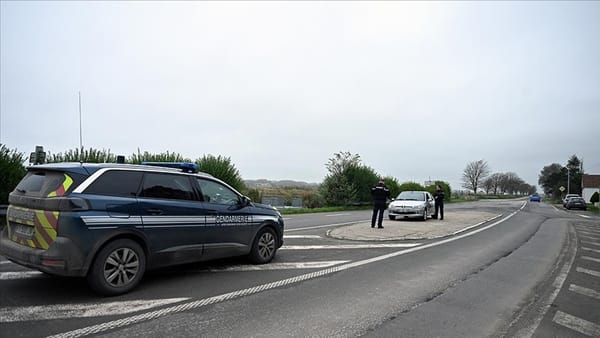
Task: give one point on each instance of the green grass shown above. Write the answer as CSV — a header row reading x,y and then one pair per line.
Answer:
x,y
324,209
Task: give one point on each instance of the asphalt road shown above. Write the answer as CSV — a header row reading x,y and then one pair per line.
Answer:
x,y
526,273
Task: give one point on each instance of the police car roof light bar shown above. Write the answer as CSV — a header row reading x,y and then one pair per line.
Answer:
x,y
184,166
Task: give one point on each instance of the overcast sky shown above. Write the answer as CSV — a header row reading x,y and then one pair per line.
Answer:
x,y
418,90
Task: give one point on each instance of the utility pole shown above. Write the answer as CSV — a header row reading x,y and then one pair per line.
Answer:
x,y
568,180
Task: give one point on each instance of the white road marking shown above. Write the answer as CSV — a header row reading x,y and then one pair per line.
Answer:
x,y
590,237
589,232
323,226
556,286
590,249
278,266
102,327
584,291
588,271
349,246
597,260
301,236
6,262
585,216
590,243
476,225
20,275
335,215
59,311
577,324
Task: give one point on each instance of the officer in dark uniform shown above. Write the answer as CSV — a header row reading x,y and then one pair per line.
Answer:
x,y
380,194
439,203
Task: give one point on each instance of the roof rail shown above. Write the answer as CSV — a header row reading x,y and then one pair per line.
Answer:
x,y
184,166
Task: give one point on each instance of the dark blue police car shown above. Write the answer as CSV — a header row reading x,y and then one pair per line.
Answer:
x,y
112,222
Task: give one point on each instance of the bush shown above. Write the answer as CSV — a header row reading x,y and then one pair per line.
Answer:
x,y
595,198
12,169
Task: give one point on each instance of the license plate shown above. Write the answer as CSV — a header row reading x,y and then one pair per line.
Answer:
x,y
24,230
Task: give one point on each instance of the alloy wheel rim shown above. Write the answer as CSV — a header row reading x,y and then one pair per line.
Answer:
x,y
121,267
266,245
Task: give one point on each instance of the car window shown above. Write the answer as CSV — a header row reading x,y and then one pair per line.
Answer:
x,y
214,192
168,186
42,183
411,196
116,183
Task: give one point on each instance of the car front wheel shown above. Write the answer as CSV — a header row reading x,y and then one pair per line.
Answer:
x,y
264,246
425,215
118,268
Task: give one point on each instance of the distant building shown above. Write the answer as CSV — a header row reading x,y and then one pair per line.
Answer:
x,y
589,185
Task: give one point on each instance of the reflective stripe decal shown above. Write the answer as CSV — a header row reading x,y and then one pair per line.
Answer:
x,y
44,224
62,189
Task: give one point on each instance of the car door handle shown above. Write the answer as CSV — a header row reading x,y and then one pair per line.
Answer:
x,y
154,211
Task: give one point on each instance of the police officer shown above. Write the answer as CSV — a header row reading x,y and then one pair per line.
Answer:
x,y
439,203
380,194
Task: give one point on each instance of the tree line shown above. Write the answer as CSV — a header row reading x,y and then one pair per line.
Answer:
x,y
348,182
477,176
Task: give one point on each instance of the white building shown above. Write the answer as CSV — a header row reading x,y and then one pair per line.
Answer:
x,y
589,185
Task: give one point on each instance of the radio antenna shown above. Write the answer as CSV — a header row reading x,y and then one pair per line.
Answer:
x,y
80,132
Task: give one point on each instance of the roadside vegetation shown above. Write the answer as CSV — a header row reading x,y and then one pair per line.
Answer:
x,y
347,186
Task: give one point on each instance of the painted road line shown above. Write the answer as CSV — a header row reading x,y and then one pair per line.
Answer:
x,y
577,324
590,243
590,249
557,285
348,246
20,275
597,260
196,304
324,226
475,225
590,237
278,266
301,236
60,311
585,291
5,262
588,232
335,215
584,216
588,271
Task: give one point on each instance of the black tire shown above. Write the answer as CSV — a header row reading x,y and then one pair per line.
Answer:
x,y
118,268
392,217
424,215
264,246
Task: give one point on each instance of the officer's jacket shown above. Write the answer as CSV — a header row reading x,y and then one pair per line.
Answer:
x,y
380,193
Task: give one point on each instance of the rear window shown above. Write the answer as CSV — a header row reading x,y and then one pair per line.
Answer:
x,y
116,183
42,183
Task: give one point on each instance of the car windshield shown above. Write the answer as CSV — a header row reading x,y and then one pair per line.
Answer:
x,y
411,196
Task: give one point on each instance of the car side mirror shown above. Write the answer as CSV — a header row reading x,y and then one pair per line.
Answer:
x,y
245,201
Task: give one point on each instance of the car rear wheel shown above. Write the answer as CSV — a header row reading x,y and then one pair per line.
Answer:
x,y
264,246
118,268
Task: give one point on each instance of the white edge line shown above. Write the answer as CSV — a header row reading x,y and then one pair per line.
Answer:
x,y
323,226
475,225
94,329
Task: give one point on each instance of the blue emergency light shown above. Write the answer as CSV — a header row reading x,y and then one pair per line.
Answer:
x,y
184,166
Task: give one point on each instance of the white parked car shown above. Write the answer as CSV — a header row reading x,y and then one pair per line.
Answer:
x,y
412,204
566,199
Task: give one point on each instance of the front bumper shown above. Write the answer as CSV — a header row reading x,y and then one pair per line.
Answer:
x,y
406,212
62,258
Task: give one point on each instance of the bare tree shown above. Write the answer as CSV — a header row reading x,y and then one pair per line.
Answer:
x,y
474,173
